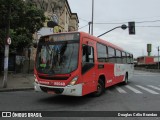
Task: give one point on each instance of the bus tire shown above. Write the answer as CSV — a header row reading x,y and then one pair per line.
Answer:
x,y
100,88
126,79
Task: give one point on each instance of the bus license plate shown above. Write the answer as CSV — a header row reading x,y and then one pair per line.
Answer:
x,y
51,92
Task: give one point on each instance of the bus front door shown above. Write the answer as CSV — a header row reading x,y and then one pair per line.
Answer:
x,y
88,69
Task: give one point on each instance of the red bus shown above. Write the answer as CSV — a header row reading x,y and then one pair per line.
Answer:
x,y
77,64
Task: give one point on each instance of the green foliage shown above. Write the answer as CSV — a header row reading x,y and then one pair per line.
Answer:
x,y
34,18
25,19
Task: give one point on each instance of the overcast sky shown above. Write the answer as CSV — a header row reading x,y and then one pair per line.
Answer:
x,y
144,12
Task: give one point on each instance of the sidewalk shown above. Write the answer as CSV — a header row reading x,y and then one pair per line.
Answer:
x,y
18,82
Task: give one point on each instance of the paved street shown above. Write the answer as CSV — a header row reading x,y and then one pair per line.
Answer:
x,y
141,94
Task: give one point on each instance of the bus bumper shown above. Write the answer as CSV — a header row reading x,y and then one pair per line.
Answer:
x,y
75,90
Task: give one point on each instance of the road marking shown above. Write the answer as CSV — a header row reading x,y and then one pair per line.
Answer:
x,y
133,89
146,89
154,87
120,90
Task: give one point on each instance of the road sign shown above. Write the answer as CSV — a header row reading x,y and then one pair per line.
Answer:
x,y
8,40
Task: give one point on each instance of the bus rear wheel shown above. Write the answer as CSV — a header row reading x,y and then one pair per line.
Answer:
x,y
100,88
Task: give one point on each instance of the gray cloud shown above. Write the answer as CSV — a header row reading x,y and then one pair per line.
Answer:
x,y
117,11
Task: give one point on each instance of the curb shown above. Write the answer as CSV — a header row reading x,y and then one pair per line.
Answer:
x,y
15,89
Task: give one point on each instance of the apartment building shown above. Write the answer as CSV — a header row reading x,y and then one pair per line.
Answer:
x,y
58,11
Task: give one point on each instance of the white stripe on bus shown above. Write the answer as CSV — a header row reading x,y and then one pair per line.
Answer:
x,y
133,89
148,90
120,90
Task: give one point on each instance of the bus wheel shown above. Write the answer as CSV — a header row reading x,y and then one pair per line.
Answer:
x,y
100,88
126,79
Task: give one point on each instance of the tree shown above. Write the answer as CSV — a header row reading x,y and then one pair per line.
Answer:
x,y
25,19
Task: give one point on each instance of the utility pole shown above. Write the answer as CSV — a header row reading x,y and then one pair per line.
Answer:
x,y
92,16
7,42
89,23
158,57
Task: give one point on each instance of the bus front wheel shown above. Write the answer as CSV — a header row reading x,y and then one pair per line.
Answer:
x,y
100,88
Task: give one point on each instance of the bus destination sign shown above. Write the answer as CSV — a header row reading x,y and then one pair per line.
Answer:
x,y
62,37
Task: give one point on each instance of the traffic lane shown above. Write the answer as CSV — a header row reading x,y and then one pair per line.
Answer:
x,y
143,77
30,100
110,101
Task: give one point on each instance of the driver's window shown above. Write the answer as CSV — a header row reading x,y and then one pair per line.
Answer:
x,y
87,58
88,54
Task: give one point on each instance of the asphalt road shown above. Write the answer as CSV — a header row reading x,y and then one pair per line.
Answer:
x,y
141,94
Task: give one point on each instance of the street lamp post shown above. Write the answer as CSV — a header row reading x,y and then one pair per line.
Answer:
x,y
92,16
122,26
158,57
89,23
6,53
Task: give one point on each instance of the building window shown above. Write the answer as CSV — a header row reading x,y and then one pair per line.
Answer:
x,y
66,17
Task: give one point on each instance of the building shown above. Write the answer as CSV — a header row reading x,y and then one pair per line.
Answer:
x,y
73,24
145,60
149,62
58,11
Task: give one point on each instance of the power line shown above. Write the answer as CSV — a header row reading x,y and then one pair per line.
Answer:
x,y
127,22
110,23
84,20
148,21
148,26
122,23
83,26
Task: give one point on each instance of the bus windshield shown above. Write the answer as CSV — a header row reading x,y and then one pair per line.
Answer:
x,y
57,58
58,54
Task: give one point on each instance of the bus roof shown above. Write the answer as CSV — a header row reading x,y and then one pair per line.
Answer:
x,y
93,38
103,41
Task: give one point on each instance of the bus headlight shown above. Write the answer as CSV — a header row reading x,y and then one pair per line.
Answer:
x,y
74,80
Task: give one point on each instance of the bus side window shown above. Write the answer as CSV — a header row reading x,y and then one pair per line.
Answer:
x,y
131,58
119,56
128,58
124,58
88,54
111,55
87,58
102,52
